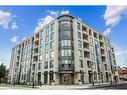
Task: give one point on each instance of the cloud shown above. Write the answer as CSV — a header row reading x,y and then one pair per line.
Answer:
x,y
107,31
113,15
23,38
14,39
64,12
43,21
120,52
14,26
48,18
5,19
53,13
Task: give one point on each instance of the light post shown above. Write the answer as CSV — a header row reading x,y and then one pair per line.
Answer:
x,y
92,75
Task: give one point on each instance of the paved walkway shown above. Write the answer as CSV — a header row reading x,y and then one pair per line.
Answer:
x,y
54,87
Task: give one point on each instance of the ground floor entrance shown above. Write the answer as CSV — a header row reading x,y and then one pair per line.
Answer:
x,y
66,78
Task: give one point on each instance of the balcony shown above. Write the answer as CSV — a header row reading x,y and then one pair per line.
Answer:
x,y
87,54
95,35
36,43
36,51
66,67
84,29
101,44
36,37
86,46
102,52
35,58
86,38
101,38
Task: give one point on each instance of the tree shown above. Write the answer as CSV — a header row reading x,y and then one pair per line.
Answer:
x,y
2,72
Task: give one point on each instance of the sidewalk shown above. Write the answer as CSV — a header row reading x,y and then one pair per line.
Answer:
x,y
54,87
71,87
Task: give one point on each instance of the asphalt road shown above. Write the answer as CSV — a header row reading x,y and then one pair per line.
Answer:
x,y
122,86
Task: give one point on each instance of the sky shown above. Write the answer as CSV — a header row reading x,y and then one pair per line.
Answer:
x,y
18,22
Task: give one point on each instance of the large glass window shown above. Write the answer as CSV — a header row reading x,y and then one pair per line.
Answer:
x,y
52,27
52,36
52,54
65,34
39,66
46,55
46,65
40,49
40,34
66,61
65,42
79,35
40,57
80,53
51,44
46,47
66,52
91,40
65,24
78,26
92,56
79,44
46,38
81,63
51,63
91,48
40,42
47,30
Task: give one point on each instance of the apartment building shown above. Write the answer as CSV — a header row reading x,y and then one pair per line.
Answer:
x,y
65,51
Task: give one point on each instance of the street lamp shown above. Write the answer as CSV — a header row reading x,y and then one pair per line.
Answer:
x,y
92,75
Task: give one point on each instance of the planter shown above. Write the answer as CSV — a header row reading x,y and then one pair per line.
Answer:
x,y
53,83
80,83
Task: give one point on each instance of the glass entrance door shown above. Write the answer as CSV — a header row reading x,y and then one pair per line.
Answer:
x,y
66,79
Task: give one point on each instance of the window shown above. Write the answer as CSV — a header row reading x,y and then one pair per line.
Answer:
x,y
40,57
78,26
51,63
40,42
52,27
65,24
47,30
46,38
39,66
79,44
65,42
52,36
46,55
40,34
79,35
80,53
66,61
81,63
91,48
93,66
52,54
65,34
51,44
46,65
46,47
92,56
66,52
33,67
91,40
40,49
